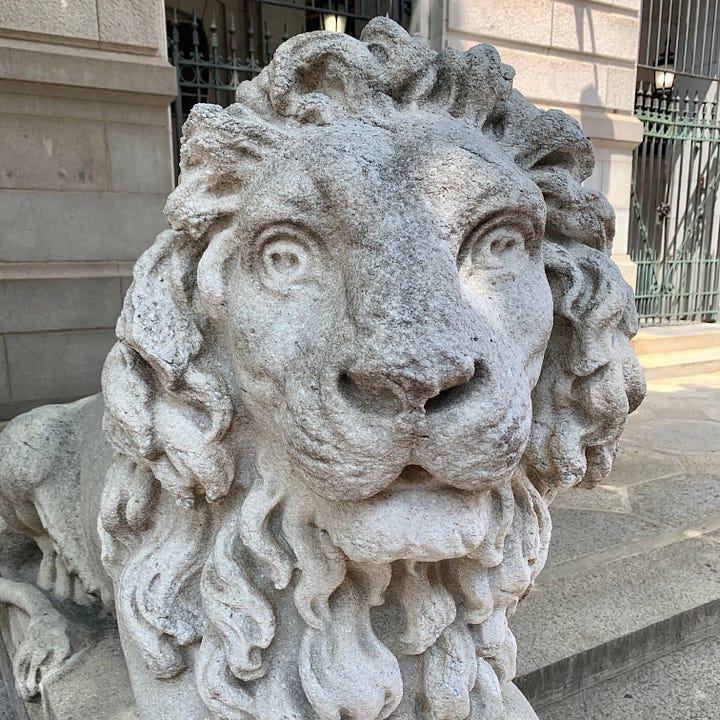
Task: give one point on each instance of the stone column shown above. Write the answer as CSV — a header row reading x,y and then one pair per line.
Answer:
x,y
85,168
576,56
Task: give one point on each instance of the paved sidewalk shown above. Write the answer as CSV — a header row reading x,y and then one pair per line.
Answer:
x,y
666,477
633,556
680,686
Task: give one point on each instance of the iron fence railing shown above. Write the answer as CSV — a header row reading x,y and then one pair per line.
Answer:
x,y
681,33
675,223
211,62
674,216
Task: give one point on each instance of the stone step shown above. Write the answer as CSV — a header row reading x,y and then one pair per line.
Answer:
x,y
633,573
681,363
596,620
680,686
671,338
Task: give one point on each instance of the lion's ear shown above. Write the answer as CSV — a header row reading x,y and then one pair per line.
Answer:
x,y
590,379
316,78
552,147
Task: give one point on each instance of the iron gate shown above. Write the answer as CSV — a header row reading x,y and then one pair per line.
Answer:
x,y
211,59
675,225
675,218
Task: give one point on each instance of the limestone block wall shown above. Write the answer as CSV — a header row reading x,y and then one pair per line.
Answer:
x,y
85,167
579,56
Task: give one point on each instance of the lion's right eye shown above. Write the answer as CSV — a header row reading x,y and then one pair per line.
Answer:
x,y
284,261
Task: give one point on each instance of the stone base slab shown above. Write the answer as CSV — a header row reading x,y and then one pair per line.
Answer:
x,y
92,685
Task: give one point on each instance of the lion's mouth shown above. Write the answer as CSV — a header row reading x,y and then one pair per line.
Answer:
x,y
417,475
417,516
417,480
353,457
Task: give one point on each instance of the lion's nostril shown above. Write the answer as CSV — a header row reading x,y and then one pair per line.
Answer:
x,y
453,394
348,389
415,474
368,392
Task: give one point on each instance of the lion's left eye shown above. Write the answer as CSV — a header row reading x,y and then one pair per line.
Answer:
x,y
499,248
284,261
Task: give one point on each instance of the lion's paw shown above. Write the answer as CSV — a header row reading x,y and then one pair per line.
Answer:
x,y
44,647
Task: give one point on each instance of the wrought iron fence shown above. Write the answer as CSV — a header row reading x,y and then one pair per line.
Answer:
x,y
675,220
675,224
682,33
211,62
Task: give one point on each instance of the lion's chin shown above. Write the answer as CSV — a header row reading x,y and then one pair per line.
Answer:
x,y
413,519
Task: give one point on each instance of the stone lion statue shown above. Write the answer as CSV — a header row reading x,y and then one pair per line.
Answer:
x,y
382,332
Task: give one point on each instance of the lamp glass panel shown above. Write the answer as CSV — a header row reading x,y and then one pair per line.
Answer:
x,y
334,23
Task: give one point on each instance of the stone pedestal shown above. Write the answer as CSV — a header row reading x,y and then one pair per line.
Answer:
x,y
93,684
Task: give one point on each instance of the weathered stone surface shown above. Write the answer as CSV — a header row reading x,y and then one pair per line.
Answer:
x,y
4,375
138,159
697,498
490,19
82,688
77,19
593,30
136,23
28,236
49,155
382,332
33,358
58,304
682,685
578,533
625,596
640,463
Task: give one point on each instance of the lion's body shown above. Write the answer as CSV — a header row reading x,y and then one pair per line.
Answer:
x,y
53,462
382,331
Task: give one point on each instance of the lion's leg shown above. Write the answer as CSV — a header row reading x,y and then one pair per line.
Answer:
x,y
41,495
54,576
45,643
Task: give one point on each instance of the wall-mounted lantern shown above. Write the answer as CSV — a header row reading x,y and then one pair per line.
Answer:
x,y
665,72
334,23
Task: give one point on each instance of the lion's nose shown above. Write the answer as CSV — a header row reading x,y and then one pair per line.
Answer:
x,y
406,388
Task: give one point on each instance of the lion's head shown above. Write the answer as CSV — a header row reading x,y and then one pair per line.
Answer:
x,y
383,326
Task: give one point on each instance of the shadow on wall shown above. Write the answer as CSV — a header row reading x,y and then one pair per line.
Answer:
x,y
590,95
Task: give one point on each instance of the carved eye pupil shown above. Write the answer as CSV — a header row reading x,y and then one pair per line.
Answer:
x,y
501,245
284,261
500,249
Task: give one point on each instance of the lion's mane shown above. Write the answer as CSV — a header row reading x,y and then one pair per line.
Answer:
x,y
204,573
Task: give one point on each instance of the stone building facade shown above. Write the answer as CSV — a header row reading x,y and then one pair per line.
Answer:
x,y
576,56
85,166
86,159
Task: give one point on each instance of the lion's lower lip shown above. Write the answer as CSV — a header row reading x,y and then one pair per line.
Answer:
x,y
416,518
